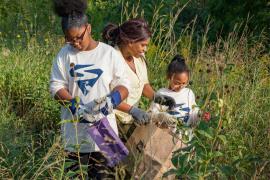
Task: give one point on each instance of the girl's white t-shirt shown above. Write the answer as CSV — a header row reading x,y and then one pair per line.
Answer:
x,y
186,108
89,75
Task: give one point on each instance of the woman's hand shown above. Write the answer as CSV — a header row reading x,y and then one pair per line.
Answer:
x,y
140,116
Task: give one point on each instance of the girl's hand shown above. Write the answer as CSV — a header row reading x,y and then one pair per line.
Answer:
x,y
164,100
104,105
75,105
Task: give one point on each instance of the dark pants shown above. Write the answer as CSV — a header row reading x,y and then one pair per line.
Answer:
x,y
95,162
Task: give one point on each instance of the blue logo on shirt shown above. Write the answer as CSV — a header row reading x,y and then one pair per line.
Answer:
x,y
181,112
87,76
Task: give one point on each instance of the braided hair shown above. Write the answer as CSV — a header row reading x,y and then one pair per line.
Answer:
x,y
72,13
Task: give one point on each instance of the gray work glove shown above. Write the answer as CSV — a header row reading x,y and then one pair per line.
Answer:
x,y
140,116
99,105
164,100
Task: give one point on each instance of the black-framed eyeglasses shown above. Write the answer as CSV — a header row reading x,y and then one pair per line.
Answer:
x,y
76,39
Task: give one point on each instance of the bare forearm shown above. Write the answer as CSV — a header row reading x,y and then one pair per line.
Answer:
x,y
123,91
63,95
124,107
148,91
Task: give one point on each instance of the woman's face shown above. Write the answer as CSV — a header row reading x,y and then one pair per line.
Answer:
x,y
178,81
78,37
137,49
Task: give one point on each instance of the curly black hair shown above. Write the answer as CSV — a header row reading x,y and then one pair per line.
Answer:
x,y
72,13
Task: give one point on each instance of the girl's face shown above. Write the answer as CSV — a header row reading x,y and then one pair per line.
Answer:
x,y
137,49
178,81
78,37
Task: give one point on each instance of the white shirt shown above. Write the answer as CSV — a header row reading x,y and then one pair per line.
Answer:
x,y
136,80
186,109
89,75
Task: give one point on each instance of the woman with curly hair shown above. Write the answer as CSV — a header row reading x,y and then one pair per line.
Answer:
x,y
131,39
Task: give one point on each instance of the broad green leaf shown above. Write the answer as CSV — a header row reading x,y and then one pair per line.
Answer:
x,y
68,164
204,133
169,172
223,138
203,125
180,160
217,154
213,96
71,174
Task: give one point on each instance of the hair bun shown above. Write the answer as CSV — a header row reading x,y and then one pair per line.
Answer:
x,y
110,32
178,58
65,8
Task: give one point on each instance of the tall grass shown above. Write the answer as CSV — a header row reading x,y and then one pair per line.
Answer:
x,y
230,79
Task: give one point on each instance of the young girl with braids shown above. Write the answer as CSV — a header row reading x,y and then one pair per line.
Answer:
x,y
85,69
185,109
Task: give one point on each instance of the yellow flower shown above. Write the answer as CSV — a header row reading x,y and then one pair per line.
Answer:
x,y
18,36
220,103
5,52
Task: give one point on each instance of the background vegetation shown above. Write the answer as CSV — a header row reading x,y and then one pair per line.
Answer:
x,y
226,44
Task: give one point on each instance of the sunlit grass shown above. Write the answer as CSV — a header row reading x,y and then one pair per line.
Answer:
x,y
230,79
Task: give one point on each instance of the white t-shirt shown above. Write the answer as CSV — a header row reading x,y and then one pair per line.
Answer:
x,y
89,75
186,108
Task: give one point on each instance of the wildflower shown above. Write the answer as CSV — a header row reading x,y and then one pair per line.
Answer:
x,y
18,36
206,116
220,103
5,52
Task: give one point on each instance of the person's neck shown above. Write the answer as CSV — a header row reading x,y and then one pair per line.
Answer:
x,y
92,44
127,56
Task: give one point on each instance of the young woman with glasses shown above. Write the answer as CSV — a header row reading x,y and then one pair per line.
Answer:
x,y
85,69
